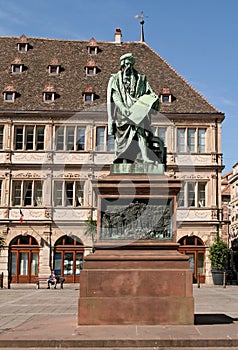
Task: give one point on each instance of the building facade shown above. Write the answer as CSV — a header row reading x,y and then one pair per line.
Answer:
x,y
54,141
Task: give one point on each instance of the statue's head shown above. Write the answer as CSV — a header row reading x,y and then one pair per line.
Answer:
x,y
127,59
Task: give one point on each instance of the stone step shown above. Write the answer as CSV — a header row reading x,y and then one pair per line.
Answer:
x,y
125,344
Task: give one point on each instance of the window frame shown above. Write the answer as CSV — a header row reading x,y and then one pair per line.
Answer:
x,y
199,199
20,198
104,143
24,135
188,142
60,197
22,47
48,97
10,94
60,138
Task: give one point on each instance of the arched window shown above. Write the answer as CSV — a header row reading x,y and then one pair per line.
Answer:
x,y
194,247
68,258
24,259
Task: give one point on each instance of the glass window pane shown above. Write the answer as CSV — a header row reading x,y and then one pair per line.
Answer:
x,y
69,187
28,193
100,142
29,137
201,140
191,140
1,136
79,194
201,263
110,143
162,134
58,193
68,263
191,194
13,263
181,201
79,263
24,263
191,261
34,264
19,137
70,137
81,139
201,194
16,193
40,136
38,193
59,138
181,140
58,263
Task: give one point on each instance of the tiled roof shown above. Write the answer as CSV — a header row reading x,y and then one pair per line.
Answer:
x,y
72,80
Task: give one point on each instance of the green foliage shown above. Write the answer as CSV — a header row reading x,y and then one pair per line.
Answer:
x,y
2,243
91,227
218,254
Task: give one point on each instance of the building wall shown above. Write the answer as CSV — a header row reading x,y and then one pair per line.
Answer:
x,y
187,111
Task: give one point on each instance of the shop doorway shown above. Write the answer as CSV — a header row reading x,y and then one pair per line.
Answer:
x,y
194,247
23,259
68,258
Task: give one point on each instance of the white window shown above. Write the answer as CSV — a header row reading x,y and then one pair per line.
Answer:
x,y
48,97
88,97
29,137
70,138
9,96
104,142
68,193
192,194
191,140
92,50
54,69
161,132
26,193
22,47
17,68
90,70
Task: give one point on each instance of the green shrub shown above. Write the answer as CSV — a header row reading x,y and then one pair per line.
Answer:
x,y
218,254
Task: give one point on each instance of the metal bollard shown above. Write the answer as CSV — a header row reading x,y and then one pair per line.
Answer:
x,y
198,279
224,279
1,280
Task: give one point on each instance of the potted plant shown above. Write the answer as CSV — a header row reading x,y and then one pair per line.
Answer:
x,y
218,254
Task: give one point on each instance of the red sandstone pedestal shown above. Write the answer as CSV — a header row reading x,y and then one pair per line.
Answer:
x,y
144,282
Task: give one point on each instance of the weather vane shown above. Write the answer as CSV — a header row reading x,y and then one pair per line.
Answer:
x,y
141,16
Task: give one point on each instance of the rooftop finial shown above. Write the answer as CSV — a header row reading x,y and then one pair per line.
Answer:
x,y
141,16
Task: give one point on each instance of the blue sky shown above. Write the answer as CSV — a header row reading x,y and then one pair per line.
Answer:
x,y
197,37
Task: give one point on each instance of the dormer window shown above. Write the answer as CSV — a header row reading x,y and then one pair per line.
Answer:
x,y
166,96
9,93
90,67
54,67
92,47
88,94
17,66
23,45
49,94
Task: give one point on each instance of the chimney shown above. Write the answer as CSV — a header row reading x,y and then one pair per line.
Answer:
x,y
118,36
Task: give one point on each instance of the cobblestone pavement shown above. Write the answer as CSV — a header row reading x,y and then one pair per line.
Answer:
x,y
31,318
18,305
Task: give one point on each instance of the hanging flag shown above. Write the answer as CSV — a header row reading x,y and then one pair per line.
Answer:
x,y
21,216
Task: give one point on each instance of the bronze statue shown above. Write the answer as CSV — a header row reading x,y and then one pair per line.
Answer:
x,y
130,101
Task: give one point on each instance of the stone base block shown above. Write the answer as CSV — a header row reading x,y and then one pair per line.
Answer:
x,y
137,284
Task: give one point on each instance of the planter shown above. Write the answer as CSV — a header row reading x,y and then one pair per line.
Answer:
x,y
218,277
